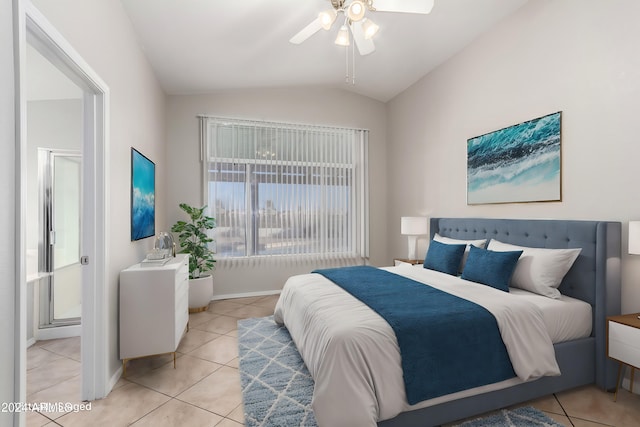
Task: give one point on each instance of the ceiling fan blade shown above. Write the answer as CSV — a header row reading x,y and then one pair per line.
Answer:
x,y
307,32
365,46
406,6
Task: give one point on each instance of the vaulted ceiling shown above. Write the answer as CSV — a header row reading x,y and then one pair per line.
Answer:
x,y
199,46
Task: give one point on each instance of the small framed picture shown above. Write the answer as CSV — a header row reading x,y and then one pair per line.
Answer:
x,y
143,204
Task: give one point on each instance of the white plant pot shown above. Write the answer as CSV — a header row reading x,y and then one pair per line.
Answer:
x,y
200,293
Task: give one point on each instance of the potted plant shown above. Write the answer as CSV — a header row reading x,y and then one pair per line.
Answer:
x,y
193,240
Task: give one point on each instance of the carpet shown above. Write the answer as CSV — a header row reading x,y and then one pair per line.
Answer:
x,y
520,417
277,387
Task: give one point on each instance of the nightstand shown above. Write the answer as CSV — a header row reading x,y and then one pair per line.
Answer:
x,y
398,261
623,343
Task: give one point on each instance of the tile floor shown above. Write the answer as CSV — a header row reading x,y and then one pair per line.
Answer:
x,y
204,389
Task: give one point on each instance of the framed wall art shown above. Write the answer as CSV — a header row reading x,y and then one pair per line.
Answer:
x,y
517,164
143,188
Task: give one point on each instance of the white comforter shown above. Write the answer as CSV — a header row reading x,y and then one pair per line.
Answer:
x,y
353,355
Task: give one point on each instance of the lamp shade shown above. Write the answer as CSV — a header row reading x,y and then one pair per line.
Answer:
x,y
343,36
414,225
634,237
356,10
327,17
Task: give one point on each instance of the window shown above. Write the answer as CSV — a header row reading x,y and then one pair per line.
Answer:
x,y
282,189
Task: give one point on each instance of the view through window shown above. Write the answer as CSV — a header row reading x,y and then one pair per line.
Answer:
x,y
282,189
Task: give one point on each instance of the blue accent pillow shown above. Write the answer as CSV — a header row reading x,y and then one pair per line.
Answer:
x,y
490,267
444,258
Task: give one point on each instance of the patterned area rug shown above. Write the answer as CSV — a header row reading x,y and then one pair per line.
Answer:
x,y
521,417
277,387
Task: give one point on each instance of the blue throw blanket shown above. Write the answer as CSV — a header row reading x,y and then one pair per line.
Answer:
x,y
447,344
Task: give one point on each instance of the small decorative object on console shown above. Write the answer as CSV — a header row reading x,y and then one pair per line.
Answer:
x,y
164,244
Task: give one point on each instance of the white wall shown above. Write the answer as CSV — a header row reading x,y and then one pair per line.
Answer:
x,y
55,124
8,362
575,56
294,105
102,34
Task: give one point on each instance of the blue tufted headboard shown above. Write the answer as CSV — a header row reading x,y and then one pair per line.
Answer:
x,y
594,277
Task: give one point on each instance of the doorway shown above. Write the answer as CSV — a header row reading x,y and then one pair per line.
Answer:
x,y
34,31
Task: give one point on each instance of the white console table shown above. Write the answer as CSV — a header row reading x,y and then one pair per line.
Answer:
x,y
154,308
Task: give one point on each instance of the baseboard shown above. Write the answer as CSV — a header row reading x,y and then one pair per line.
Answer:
x,y
114,379
626,381
245,295
58,332
31,341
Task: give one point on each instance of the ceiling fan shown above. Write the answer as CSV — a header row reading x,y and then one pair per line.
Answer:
x,y
362,28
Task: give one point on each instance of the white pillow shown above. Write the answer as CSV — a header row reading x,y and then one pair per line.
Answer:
x,y
539,270
449,241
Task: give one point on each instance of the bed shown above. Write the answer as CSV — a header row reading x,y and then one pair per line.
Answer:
x,y
593,279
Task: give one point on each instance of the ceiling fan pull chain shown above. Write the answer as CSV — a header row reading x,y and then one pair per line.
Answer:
x,y
346,61
353,64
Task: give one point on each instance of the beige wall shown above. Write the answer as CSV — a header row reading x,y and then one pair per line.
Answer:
x,y
102,34
294,105
575,56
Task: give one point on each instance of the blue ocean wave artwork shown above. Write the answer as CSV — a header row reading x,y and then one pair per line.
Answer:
x,y
520,163
143,206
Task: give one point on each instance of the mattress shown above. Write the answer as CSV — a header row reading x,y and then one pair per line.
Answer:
x,y
566,318
363,384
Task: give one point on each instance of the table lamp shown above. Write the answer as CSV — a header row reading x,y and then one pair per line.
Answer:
x,y
414,226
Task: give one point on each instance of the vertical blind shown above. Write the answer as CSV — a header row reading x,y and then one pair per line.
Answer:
x,y
280,189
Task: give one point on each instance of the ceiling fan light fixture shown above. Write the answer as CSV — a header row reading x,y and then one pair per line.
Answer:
x,y
327,18
343,36
356,10
369,28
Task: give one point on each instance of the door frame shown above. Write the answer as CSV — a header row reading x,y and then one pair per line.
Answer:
x,y
35,29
